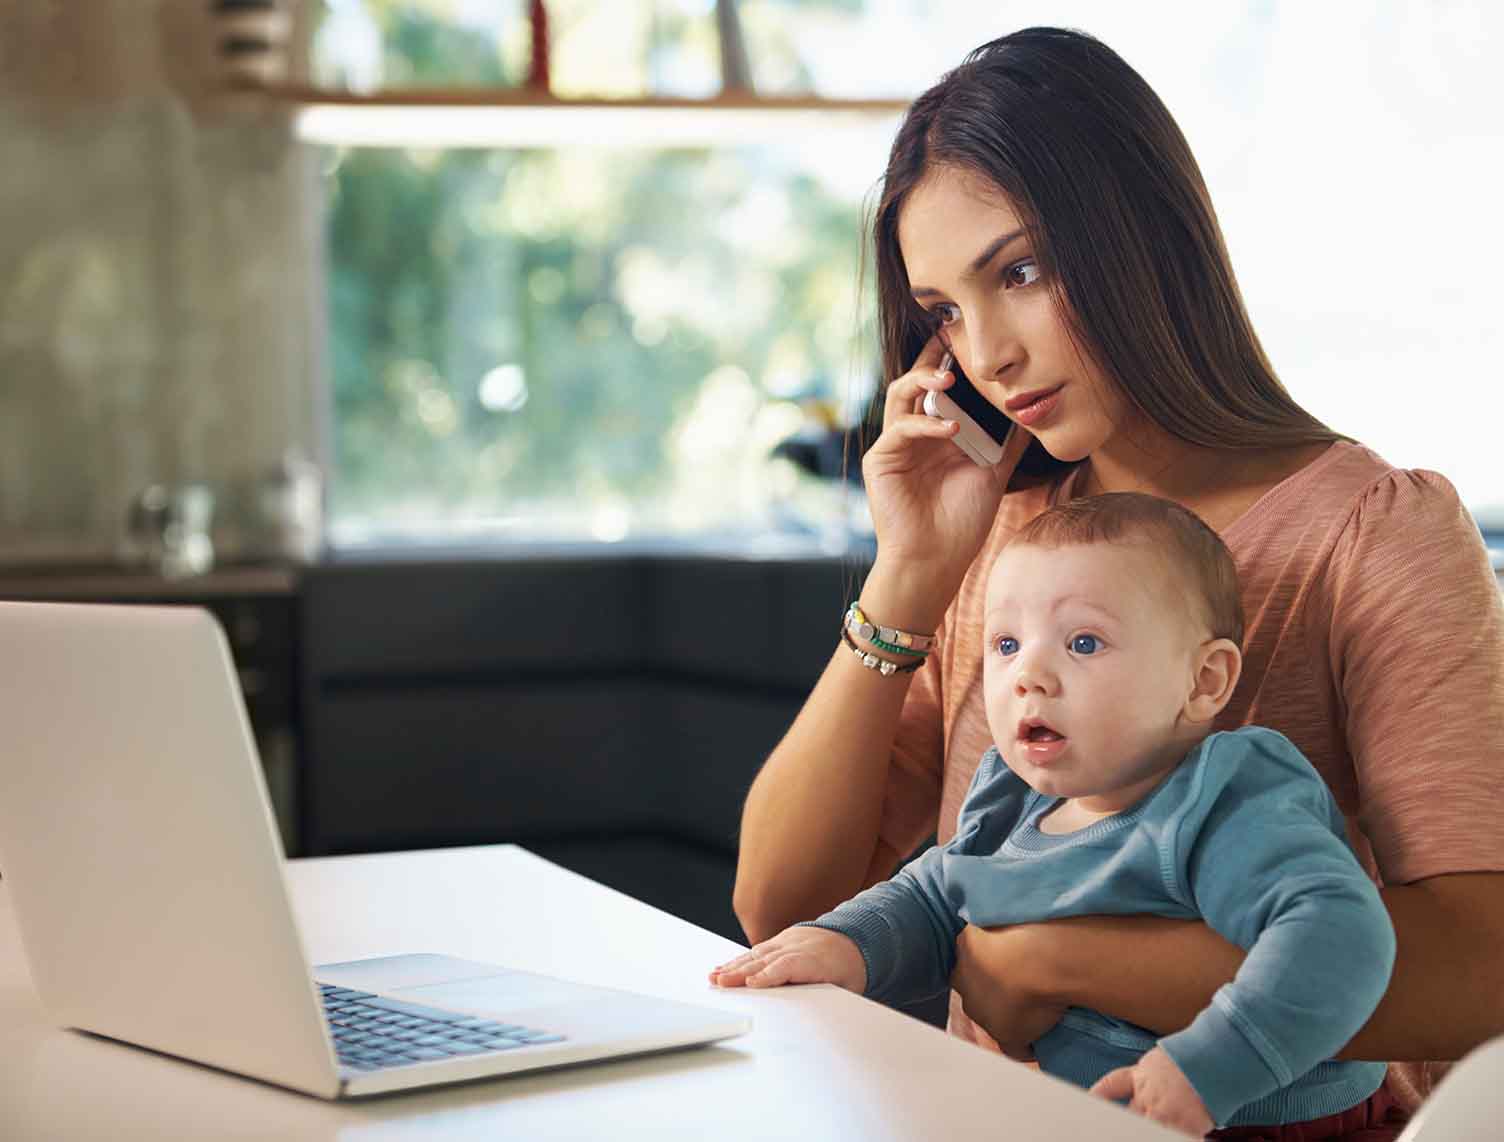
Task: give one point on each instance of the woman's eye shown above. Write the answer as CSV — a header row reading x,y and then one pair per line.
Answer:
x,y
1021,274
1085,644
1007,645
945,313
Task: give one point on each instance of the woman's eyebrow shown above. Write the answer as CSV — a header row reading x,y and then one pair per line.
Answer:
x,y
978,264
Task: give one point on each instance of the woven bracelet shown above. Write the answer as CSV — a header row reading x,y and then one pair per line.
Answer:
x,y
873,662
891,639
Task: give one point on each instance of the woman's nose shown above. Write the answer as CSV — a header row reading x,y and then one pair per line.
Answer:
x,y
994,350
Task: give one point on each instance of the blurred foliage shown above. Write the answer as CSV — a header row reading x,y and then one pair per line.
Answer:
x,y
533,334
423,50
606,47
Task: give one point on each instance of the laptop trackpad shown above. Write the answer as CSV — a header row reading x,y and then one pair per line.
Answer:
x,y
450,982
499,994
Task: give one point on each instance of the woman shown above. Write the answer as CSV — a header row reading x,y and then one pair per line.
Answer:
x,y
1043,217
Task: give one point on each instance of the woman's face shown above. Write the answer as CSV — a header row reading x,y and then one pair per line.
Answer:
x,y
971,265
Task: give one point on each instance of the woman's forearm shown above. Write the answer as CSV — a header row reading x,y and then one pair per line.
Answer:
x,y
1155,972
810,824
1446,995
1447,992
809,830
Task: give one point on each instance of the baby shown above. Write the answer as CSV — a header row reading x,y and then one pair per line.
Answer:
x,y
1114,627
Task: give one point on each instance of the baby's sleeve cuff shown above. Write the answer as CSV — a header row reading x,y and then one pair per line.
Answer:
x,y
873,937
1218,1055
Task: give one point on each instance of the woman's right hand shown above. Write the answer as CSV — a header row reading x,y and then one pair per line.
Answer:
x,y
932,506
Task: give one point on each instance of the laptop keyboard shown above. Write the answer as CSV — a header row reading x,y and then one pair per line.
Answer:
x,y
371,1031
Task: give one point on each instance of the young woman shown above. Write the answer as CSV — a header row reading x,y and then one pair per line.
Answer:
x,y
1042,216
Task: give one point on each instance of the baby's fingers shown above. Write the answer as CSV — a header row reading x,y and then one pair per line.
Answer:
x,y
786,967
1115,1085
734,972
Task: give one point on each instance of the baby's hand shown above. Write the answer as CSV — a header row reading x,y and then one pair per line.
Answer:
x,y
1158,1089
797,955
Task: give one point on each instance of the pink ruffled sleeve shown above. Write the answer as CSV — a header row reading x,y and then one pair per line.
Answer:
x,y
1417,655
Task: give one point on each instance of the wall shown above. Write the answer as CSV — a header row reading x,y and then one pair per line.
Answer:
x,y
158,311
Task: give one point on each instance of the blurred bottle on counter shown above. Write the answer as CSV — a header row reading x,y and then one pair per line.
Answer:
x,y
736,72
252,40
167,530
537,72
290,508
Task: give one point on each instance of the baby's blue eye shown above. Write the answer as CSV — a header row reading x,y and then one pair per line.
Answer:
x,y
1007,645
1084,644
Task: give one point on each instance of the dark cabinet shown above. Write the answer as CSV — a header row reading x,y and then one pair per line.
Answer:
x,y
609,713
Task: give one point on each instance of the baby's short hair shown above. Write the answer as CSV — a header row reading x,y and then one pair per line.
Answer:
x,y
1179,534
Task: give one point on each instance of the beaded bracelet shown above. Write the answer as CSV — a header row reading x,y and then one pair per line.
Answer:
x,y
891,639
873,662
892,648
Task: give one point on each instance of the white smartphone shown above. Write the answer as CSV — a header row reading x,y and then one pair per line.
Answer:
x,y
984,428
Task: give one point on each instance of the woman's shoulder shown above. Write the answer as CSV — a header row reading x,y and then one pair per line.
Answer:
x,y
1361,540
1349,489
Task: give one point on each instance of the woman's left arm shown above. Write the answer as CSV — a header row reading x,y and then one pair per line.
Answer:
x,y
1446,995
1447,992
1415,643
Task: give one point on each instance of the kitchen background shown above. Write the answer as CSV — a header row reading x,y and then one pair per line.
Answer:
x,y
514,465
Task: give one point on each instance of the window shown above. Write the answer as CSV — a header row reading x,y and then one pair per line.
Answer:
x,y
588,342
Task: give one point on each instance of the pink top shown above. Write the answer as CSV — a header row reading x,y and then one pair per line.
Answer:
x,y
1375,642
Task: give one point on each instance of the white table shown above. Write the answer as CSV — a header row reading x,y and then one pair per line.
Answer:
x,y
819,1063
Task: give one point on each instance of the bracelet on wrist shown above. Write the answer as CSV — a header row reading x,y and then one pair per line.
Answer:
x,y
892,648
891,639
882,665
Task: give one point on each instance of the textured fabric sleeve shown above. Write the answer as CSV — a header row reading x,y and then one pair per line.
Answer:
x,y
906,927
911,798
1417,654
1262,855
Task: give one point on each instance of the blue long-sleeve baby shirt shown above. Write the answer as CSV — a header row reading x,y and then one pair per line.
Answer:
x,y
1244,835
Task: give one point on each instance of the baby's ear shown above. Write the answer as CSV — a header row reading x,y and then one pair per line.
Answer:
x,y
1218,664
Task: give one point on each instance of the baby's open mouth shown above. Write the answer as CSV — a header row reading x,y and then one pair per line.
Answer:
x,y
1034,730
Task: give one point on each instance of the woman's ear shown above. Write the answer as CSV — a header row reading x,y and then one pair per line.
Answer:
x,y
1218,664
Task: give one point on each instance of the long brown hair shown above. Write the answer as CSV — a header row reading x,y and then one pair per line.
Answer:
x,y
1122,226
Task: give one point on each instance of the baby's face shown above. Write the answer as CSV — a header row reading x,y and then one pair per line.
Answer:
x,y
1089,662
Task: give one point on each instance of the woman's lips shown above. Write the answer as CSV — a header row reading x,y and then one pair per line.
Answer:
x,y
1039,408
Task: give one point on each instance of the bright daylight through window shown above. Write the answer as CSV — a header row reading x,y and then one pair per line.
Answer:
x,y
608,342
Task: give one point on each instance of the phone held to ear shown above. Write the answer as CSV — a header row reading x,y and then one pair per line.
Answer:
x,y
983,427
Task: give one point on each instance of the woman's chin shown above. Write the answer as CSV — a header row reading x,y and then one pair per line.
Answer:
x,y
1063,446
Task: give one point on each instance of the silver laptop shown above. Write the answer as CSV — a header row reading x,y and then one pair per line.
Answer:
x,y
145,874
